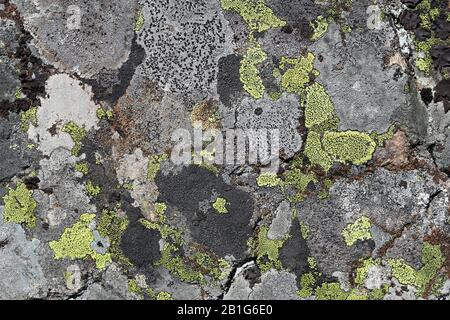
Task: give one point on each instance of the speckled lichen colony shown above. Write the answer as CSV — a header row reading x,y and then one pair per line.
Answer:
x,y
92,205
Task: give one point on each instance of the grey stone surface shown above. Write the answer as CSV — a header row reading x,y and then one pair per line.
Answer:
x,y
133,73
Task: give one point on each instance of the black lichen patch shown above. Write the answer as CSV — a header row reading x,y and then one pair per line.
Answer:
x,y
441,56
295,12
228,81
12,161
32,72
411,3
294,253
222,233
141,245
427,95
409,20
443,93
111,85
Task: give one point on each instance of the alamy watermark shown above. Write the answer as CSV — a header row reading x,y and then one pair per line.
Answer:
x,y
228,147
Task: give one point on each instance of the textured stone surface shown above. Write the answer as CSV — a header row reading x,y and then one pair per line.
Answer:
x,y
100,100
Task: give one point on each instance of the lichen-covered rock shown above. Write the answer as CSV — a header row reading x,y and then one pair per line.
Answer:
x,y
224,149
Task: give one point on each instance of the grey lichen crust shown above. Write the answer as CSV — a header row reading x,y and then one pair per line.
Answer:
x,y
93,95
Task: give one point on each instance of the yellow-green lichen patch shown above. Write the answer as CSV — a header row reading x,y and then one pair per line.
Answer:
x,y
154,165
318,105
424,61
110,225
362,271
320,27
331,291
139,287
82,167
20,206
103,113
140,20
268,179
432,260
28,117
346,28
18,94
349,146
315,152
160,210
304,228
91,189
359,230
298,180
297,76
167,232
249,73
163,295
177,266
135,288
209,264
77,134
307,283
267,250
258,16
75,243
220,205
380,139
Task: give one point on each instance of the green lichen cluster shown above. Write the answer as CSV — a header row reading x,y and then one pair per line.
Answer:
x,y
349,146
304,229
258,16
18,94
432,261
82,167
154,165
142,291
178,265
319,108
324,143
249,73
315,153
103,113
308,280
209,264
427,15
362,271
91,189
268,179
381,138
298,180
139,23
112,226
307,283
220,205
359,230
295,77
28,117
77,134
194,266
320,27
424,62
267,250
20,206
331,291
76,241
